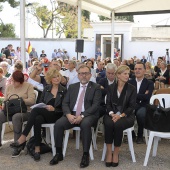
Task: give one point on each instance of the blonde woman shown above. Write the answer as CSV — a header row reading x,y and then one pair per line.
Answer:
x,y
120,104
149,74
52,96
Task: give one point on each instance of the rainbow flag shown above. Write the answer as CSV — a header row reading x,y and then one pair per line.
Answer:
x,y
29,48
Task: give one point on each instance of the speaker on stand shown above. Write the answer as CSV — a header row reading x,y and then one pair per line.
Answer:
x,y
79,46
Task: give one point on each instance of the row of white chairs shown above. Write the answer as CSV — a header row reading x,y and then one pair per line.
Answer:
x,y
152,135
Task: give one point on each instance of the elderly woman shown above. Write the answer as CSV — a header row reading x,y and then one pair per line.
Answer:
x,y
5,65
162,76
120,104
2,82
24,90
52,96
149,74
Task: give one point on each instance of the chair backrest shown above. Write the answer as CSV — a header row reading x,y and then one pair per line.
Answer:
x,y
36,95
166,98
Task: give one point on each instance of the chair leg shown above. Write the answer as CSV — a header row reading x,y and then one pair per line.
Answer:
x,y
130,142
52,140
146,136
94,139
104,152
148,149
155,145
67,132
77,139
47,135
91,152
3,131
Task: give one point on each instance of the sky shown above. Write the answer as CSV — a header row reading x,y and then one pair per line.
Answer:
x,y
10,15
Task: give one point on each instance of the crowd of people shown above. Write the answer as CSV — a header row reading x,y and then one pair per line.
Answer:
x,y
78,93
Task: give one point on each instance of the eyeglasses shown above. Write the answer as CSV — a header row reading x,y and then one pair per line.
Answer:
x,y
84,73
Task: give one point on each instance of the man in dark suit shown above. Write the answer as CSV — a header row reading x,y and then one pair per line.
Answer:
x,y
104,83
144,89
143,60
80,108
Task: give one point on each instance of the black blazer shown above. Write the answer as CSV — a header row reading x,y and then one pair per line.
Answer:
x,y
166,75
129,100
92,99
47,96
104,82
143,60
146,85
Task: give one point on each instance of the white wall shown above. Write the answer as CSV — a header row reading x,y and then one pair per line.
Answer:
x,y
50,44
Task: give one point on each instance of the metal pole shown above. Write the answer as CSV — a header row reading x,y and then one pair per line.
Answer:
x,y
112,36
22,31
79,3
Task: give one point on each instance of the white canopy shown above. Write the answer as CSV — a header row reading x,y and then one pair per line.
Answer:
x,y
123,7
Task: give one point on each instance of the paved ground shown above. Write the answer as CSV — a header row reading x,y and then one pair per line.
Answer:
x,y
73,157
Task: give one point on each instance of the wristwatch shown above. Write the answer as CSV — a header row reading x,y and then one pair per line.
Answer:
x,y
120,116
82,116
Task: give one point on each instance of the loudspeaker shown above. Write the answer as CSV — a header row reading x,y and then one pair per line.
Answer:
x,y
79,47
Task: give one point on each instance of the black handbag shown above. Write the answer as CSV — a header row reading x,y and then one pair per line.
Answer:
x,y
13,106
157,118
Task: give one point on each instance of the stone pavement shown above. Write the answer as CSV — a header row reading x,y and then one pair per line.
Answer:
x,y
73,158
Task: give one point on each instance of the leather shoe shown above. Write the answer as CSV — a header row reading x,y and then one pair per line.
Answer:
x,y
108,164
58,157
84,161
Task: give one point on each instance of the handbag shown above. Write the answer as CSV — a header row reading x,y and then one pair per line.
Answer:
x,y
13,106
157,118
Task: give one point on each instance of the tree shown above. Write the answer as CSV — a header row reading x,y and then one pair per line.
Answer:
x,y
122,18
61,18
7,30
13,3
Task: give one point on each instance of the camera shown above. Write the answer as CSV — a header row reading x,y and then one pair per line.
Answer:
x,y
150,53
44,64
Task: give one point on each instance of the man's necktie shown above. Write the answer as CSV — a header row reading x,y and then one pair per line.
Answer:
x,y
80,101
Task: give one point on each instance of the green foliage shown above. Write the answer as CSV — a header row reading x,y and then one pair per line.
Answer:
x,y
7,30
13,3
122,18
86,14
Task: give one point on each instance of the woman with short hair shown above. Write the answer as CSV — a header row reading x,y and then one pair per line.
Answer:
x,y
24,90
52,96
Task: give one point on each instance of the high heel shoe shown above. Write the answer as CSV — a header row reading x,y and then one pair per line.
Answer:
x,y
108,164
115,164
17,145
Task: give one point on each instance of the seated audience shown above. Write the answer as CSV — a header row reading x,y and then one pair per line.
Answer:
x,y
104,84
24,90
90,64
2,83
80,108
5,65
121,98
100,71
144,88
52,96
149,74
162,76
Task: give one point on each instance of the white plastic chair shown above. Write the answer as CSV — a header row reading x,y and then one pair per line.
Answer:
x,y
130,142
153,134
77,129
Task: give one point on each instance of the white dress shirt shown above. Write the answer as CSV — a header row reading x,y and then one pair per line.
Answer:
x,y
138,84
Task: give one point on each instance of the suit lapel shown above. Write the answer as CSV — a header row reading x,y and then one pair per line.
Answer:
x,y
75,93
142,86
88,89
58,96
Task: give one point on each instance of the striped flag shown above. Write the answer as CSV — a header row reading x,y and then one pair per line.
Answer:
x,y
29,48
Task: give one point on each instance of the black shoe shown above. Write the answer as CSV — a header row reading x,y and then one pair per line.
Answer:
x,y
36,156
17,145
16,152
139,140
115,164
84,161
58,157
108,164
